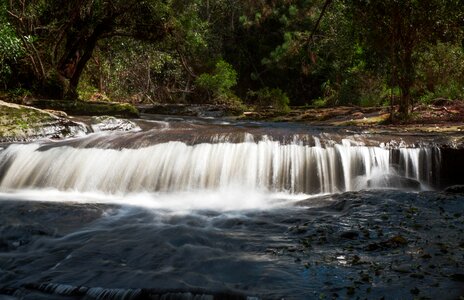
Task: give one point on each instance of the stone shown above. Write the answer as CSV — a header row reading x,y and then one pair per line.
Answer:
x,y
109,123
455,189
351,235
393,181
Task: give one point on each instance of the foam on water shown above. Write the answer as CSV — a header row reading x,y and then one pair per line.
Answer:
x,y
180,202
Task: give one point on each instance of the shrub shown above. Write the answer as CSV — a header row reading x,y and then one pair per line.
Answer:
x,y
274,97
320,102
440,72
11,49
223,78
219,83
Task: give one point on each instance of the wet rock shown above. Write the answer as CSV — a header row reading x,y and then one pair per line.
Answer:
x,y
405,268
458,277
455,189
24,123
393,181
398,240
351,290
351,235
207,110
392,243
15,236
109,123
415,291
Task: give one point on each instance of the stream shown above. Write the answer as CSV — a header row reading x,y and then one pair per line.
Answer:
x,y
191,208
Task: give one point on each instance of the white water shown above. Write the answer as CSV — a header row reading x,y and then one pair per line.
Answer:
x,y
265,166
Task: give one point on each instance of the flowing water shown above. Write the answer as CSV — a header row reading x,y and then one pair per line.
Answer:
x,y
192,208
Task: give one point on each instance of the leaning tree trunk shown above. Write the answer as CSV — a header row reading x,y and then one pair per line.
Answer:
x,y
75,59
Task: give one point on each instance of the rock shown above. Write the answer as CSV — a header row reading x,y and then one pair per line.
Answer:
x,y
398,240
458,277
57,113
108,123
455,189
393,181
202,110
351,235
415,291
24,123
404,268
392,243
89,108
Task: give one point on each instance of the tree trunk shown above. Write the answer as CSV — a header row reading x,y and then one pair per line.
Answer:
x,y
406,81
80,53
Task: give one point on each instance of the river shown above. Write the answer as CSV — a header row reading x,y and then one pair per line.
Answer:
x,y
212,209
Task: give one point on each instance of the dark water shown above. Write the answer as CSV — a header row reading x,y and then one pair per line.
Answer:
x,y
335,246
87,219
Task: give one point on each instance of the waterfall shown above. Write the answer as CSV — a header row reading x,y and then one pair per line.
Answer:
x,y
176,166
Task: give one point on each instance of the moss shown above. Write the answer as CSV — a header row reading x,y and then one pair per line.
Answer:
x,y
90,108
17,122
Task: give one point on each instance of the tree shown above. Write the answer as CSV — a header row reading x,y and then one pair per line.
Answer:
x,y
64,34
10,46
392,31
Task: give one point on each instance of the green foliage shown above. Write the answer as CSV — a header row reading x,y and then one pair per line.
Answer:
x,y
218,85
394,32
203,50
220,81
11,49
274,97
451,90
320,102
440,72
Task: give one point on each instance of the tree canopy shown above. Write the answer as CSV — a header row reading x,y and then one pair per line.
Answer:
x,y
308,52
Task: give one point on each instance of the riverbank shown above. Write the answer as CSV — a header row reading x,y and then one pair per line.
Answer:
x,y
23,123
445,116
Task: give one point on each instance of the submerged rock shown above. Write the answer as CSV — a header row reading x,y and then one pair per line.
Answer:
x,y
393,181
23,123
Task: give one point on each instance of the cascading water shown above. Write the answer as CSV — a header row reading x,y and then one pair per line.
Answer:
x,y
180,210
265,165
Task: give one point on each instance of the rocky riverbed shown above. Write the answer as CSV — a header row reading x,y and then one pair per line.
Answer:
x,y
369,244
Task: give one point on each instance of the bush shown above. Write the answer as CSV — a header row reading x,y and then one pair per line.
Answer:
x,y
274,97
440,72
11,50
320,103
223,78
218,85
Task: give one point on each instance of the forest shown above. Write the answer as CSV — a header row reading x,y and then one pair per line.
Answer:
x,y
231,149
237,53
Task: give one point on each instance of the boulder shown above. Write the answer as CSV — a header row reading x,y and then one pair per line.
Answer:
x,y
455,189
20,123
393,181
108,123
